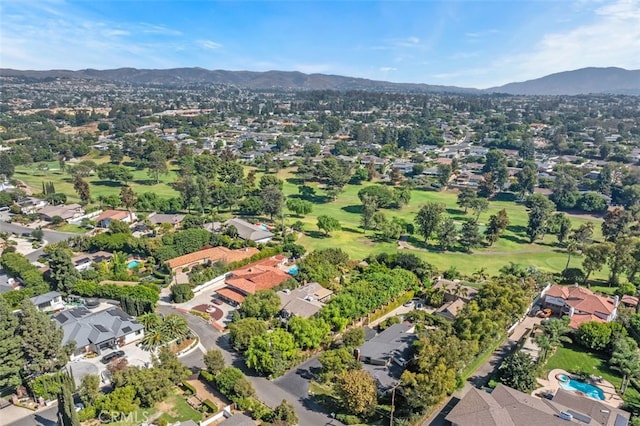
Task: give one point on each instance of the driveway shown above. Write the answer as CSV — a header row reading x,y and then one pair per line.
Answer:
x,y
270,392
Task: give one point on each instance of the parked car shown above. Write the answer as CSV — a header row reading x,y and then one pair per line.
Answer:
x,y
110,357
545,313
534,311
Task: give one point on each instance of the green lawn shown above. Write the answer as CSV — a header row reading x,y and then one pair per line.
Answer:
x,y
574,358
67,227
64,182
513,246
173,409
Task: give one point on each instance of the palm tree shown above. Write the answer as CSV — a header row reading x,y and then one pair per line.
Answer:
x,y
626,360
150,321
544,343
153,340
174,327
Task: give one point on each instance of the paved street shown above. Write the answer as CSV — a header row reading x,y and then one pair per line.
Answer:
x,y
49,236
292,387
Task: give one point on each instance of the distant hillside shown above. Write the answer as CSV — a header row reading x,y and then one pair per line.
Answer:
x,y
577,82
247,79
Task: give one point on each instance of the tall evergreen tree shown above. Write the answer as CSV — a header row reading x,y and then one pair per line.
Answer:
x,y
67,415
41,340
62,274
11,361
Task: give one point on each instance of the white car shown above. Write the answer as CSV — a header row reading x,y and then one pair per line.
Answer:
x,y
211,309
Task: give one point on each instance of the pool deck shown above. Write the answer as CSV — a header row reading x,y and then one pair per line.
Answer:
x,y
551,385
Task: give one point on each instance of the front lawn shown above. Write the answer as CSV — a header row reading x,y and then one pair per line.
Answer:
x,y
574,358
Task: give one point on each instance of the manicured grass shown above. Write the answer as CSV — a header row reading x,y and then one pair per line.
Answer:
x,y
67,227
181,411
513,246
175,408
64,182
574,358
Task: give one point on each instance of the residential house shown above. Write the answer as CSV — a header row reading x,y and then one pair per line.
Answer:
x,y
505,406
30,205
7,283
248,231
451,309
303,301
211,255
66,212
51,301
172,219
96,331
454,290
107,216
83,261
386,354
262,275
580,304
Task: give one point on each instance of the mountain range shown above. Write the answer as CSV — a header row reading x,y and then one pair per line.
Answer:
x,y
582,81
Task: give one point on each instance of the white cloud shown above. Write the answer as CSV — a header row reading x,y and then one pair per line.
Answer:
x,y
388,69
612,38
210,44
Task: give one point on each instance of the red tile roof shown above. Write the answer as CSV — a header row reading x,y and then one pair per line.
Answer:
x,y
231,294
214,254
262,275
583,299
113,215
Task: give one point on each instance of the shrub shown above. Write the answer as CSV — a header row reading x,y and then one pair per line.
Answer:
x,y
349,419
573,275
212,407
87,413
207,376
190,390
181,293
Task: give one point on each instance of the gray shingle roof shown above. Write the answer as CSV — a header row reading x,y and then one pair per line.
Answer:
x,y
44,298
248,231
86,327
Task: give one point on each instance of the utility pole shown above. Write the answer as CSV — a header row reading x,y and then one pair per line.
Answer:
x,y
393,403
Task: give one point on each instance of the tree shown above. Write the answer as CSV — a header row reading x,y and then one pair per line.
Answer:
x,y
62,273
595,257
428,219
241,332
497,224
594,335
214,361
89,390
128,199
479,205
6,165
157,166
82,189
554,333
114,172
169,363
67,414
299,207
353,337
518,371
369,208
496,164
527,178
284,414
174,327
561,226
378,194
619,259
328,224
625,359
272,201
181,293
357,391
466,196
271,353
336,361
616,224
470,236
540,209
264,304
447,234
41,340
565,190
309,333
11,361
444,174
229,382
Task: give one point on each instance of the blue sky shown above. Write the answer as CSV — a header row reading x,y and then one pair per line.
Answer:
x,y
464,43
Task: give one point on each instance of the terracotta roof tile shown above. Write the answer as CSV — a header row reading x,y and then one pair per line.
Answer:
x,y
214,254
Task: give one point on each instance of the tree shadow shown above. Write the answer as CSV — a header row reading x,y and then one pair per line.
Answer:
x,y
457,212
316,234
147,182
505,196
109,183
352,230
517,229
515,239
354,208
295,181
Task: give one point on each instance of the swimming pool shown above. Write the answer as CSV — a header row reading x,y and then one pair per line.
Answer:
x,y
133,264
576,385
293,270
